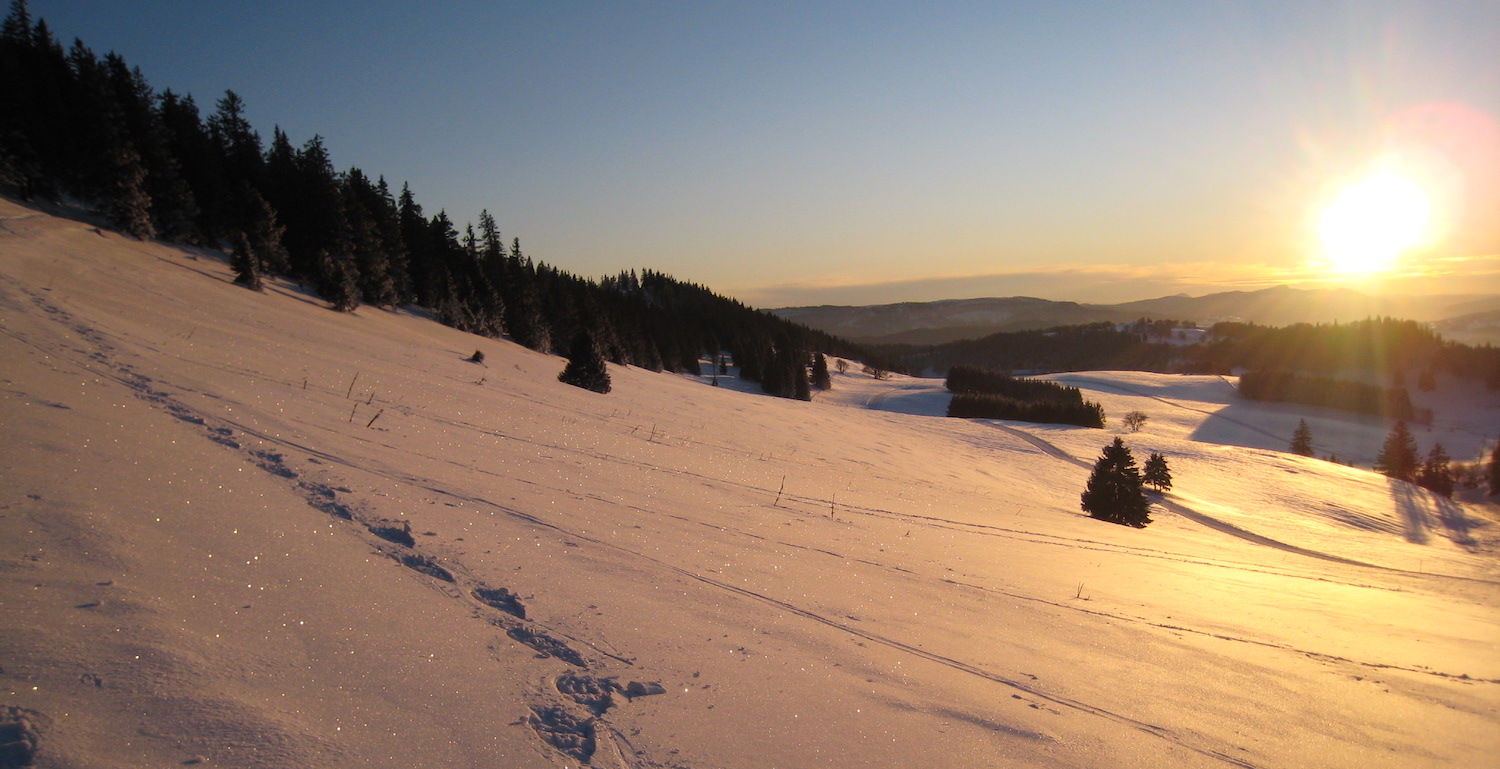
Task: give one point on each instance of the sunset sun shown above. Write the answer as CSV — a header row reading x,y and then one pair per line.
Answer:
x,y
1372,222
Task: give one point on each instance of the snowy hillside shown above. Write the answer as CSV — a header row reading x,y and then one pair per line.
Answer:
x,y
243,530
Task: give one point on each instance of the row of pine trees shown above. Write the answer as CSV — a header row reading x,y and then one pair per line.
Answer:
x,y
80,128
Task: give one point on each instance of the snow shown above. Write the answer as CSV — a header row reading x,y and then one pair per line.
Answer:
x,y
849,581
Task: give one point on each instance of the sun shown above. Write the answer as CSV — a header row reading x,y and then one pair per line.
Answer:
x,y
1372,222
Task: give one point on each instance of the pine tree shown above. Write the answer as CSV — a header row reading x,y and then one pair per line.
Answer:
x,y
1302,439
244,263
1114,490
337,278
585,365
820,378
1156,473
127,206
1398,457
265,236
1436,474
797,370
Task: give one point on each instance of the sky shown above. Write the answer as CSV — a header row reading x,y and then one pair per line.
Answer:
x,y
802,153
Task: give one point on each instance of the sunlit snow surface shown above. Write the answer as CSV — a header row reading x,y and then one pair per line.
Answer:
x,y
205,495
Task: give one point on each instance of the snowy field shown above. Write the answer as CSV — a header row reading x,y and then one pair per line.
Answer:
x,y
239,529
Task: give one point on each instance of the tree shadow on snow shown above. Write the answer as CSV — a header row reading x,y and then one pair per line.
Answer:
x,y
1409,509
1451,515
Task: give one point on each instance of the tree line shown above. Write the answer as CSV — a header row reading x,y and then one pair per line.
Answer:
x,y
80,127
988,394
1086,347
1358,397
1400,349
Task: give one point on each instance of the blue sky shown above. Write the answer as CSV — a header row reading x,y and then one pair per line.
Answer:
x,y
851,153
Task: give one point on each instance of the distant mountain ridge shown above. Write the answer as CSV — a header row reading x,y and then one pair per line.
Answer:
x,y
1467,318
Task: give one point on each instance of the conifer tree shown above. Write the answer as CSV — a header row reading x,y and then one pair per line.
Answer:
x,y
127,206
338,281
523,314
244,263
1398,457
265,236
820,378
240,166
585,365
1302,439
797,369
1436,474
1156,474
1114,490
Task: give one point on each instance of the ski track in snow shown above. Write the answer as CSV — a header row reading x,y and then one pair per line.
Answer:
x,y
556,722
573,735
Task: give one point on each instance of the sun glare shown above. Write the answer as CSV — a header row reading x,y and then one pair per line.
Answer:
x,y
1372,222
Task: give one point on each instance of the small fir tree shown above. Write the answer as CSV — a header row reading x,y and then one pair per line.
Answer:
x,y
1437,474
1156,474
585,365
266,235
128,206
338,282
820,378
1302,439
1114,490
1398,458
245,266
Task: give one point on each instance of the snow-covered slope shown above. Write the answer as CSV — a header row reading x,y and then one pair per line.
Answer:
x,y
206,493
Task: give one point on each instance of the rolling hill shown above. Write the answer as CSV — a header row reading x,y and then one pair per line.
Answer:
x,y
1467,318
244,530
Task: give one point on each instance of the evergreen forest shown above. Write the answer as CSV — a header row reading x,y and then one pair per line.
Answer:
x,y
85,130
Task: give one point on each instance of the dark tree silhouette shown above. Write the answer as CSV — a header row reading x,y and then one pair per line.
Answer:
x,y
265,236
337,280
585,365
1156,473
244,263
1398,457
1436,474
1114,490
1302,439
126,205
820,377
